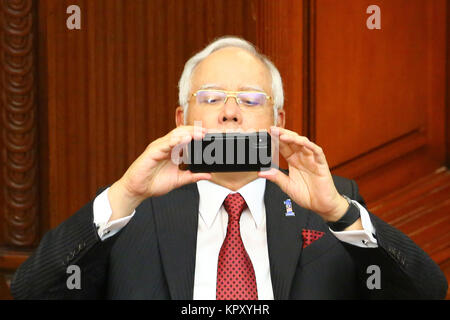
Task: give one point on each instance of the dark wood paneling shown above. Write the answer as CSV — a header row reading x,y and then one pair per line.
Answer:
x,y
19,159
385,153
377,85
380,94
281,39
377,106
448,85
309,69
272,31
2,145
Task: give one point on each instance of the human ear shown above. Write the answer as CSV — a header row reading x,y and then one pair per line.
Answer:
x,y
179,116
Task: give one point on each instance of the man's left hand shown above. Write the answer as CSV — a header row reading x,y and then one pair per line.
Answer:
x,y
309,183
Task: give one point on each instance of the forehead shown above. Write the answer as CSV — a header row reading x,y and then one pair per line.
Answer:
x,y
232,69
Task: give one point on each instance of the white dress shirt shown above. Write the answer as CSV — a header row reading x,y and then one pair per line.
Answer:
x,y
212,227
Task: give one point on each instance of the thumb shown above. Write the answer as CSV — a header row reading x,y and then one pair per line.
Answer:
x,y
187,177
276,176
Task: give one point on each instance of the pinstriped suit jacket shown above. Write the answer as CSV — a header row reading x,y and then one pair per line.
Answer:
x,y
153,257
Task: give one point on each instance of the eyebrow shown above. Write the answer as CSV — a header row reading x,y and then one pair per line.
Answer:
x,y
251,88
211,86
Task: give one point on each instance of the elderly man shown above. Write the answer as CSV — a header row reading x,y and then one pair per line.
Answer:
x,y
163,233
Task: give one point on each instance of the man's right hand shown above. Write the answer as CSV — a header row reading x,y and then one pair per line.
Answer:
x,y
154,173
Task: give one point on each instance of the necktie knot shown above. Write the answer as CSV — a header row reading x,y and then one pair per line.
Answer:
x,y
234,204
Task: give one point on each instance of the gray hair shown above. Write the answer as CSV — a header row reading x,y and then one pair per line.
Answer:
x,y
184,84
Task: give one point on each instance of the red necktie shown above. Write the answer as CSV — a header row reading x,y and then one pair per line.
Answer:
x,y
235,275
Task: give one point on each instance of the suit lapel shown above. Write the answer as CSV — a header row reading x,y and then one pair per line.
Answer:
x,y
176,217
283,238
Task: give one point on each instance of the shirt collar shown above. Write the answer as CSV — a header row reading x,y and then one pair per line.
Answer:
x,y
212,196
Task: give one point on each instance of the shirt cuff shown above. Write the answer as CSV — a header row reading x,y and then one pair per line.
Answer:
x,y
361,238
102,214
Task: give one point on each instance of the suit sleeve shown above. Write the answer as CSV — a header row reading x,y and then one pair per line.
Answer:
x,y
45,274
406,271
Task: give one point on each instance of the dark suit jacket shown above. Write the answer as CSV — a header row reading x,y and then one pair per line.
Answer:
x,y
153,257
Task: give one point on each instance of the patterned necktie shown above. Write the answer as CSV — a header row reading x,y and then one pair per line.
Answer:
x,y
235,275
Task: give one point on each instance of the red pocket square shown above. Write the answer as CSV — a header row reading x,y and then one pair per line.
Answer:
x,y
309,236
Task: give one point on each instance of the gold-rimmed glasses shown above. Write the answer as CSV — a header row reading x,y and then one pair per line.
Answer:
x,y
219,97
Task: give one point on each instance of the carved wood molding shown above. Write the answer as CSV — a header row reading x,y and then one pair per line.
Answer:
x,y
19,122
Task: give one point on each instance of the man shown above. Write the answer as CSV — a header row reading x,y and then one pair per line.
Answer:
x,y
163,233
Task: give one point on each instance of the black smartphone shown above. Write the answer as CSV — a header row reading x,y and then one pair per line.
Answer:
x,y
229,152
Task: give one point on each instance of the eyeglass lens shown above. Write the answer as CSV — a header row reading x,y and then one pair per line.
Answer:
x,y
218,97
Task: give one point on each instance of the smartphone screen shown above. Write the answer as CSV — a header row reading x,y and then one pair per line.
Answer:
x,y
229,152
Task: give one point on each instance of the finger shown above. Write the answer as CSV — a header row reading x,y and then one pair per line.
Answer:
x,y
280,131
179,140
292,137
319,155
169,148
173,141
200,176
195,132
308,147
277,177
289,151
181,136
179,152
297,143
187,177
275,131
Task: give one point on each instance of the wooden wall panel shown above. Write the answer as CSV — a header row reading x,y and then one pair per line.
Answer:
x,y
377,106
448,86
380,94
281,39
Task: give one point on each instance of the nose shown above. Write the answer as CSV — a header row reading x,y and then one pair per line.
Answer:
x,y
230,112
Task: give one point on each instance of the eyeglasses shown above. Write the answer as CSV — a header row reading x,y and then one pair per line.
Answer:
x,y
220,97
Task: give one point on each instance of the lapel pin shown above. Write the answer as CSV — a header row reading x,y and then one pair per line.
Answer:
x,y
289,212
